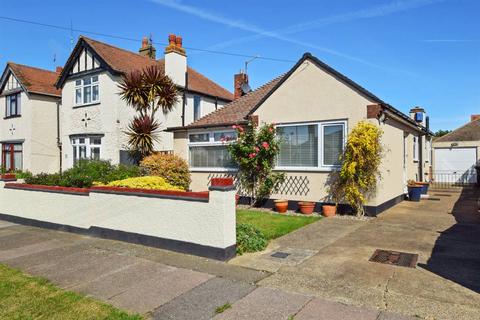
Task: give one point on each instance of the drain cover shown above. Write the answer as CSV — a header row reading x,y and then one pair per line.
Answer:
x,y
280,255
395,258
434,199
442,194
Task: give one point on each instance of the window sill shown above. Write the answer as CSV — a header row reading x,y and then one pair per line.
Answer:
x,y
86,105
213,170
299,169
11,117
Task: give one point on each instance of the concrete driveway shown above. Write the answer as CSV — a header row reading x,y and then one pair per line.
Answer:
x,y
444,231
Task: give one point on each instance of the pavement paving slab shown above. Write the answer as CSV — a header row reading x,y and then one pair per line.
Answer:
x,y
42,246
201,302
320,309
161,286
266,303
6,224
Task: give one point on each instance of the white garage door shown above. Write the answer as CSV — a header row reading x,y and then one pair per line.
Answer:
x,y
455,165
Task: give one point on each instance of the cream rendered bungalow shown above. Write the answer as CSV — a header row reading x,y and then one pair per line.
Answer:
x,y
94,117
28,130
314,107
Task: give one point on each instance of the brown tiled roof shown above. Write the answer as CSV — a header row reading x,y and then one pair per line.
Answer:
x,y
124,61
237,110
467,132
36,80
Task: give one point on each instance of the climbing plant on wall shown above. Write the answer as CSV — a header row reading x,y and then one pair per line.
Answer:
x,y
357,180
255,151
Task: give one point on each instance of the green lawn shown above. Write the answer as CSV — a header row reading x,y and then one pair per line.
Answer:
x,y
273,225
26,297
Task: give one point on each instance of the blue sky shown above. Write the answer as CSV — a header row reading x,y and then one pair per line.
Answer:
x,y
415,52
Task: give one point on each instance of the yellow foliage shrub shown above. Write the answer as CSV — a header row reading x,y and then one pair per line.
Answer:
x,y
171,167
148,182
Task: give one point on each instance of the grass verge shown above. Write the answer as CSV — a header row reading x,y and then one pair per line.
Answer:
x,y
273,225
26,297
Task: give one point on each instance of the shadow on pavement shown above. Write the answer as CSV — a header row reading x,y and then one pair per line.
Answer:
x,y
456,254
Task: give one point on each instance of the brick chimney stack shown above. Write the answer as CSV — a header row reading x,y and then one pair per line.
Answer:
x,y
474,117
147,49
238,80
58,69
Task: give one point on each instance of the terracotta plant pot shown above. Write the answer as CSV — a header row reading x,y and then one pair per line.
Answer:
x,y
329,210
306,207
281,205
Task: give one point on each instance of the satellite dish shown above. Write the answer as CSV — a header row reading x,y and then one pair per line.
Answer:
x,y
245,88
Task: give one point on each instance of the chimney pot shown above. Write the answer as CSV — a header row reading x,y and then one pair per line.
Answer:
x,y
59,69
474,117
171,39
144,42
179,41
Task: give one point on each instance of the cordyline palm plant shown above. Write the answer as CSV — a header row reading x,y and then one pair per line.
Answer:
x,y
146,91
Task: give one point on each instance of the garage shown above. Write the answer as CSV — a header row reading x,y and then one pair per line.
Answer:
x,y
455,165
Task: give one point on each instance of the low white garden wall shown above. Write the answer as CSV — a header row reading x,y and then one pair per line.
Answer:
x,y
191,222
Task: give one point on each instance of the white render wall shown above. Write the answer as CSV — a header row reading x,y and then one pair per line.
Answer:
x,y
209,223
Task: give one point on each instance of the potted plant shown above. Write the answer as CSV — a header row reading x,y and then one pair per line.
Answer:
x,y
414,190
306,207
329,209
281,205
424,185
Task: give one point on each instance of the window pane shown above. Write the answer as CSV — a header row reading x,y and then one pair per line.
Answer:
x,y
18,104
83,152
17,147
17,159
75,154
298,146
95,93
199,137
224,136
96,141
210,157
87,94
7,109
196,108
95,153
78,96
95,79
87,81
78,82
332,144
81,140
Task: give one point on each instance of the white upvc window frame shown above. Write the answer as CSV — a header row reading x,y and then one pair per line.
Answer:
x,y
79,84
415,148
320,129
211,142
88,143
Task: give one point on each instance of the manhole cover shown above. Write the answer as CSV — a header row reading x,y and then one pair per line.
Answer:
x,y
395,258
280,255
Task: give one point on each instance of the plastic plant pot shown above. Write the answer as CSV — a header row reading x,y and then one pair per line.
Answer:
x,y
415,192
425,186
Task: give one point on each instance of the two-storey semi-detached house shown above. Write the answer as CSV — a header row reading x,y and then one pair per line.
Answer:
x,y
93,115
28,130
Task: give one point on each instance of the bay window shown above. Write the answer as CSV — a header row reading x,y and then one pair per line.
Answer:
x,y
12,105
86,91
312,146
86,147
208,150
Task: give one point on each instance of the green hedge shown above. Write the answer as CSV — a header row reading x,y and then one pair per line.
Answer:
x,y
84,173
